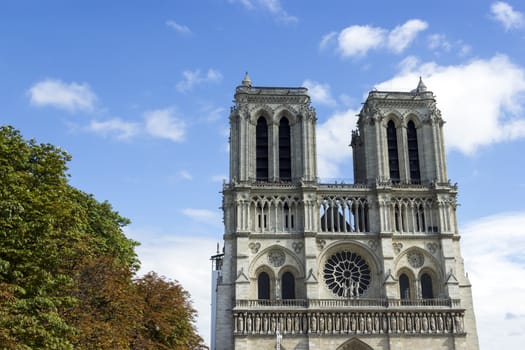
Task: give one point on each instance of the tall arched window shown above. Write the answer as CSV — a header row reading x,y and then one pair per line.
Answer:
x,y
413,155
288,286
263,286
261,149
285,157
393,157
404,286
426,286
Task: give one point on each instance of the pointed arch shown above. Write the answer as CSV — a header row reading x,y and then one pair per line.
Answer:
x,y
393,155
261,149
427,289
263,286
288,285
355,344
413,153
285,153
404,286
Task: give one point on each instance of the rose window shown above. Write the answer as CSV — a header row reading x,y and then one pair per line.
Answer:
x,y
347,274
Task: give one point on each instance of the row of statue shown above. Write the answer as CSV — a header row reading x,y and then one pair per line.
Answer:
x,y
253,323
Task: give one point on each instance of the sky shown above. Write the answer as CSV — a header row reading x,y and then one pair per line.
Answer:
x,y
138,92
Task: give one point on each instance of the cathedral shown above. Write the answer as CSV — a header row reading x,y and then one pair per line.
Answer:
x,y
311,264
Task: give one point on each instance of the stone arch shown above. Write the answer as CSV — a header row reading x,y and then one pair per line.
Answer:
x,y
411,283
285,112
271,282
414,117
375,287
355,344
262,111
291,263
430,265
394,116
429,262
435,280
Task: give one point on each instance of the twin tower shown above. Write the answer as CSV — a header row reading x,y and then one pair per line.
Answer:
x,y
310,265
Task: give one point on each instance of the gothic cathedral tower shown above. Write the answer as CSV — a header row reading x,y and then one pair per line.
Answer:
x,y
311,265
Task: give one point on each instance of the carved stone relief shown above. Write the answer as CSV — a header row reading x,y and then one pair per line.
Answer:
x,y
432,247
415,259
337,322
373,244
397,247
254,247
276,257
297,247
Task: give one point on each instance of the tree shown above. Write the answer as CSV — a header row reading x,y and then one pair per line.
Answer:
x,y
167,318
67,269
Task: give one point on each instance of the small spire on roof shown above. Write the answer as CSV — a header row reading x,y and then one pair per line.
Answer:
x,y
247,81
421,87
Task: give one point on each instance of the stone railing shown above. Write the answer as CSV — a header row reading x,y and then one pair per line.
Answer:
x,y
256,323
322,304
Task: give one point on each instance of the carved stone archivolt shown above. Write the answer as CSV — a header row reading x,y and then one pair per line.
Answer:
x,y
354,344
328,322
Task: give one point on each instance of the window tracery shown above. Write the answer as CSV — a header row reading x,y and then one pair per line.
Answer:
x,y
341,214
347,274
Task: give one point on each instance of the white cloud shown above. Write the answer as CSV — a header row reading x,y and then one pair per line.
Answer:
x,y
203,215
170,256
439,42
71,97
401,36
163,123
272,6
116,127
327,39
485,94
357,40
333,138
507,16
179,28
320,93
493,251
185,175
196,77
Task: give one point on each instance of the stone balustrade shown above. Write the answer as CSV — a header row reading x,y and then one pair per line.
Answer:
x,y
345,303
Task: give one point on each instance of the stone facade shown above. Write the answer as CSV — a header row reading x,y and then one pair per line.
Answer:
x,y
373,264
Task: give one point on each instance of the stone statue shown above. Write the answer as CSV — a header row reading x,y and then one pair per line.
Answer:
x,y
424,323
313,324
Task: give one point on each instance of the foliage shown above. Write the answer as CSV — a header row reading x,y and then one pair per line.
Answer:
x,y
167,319
66,267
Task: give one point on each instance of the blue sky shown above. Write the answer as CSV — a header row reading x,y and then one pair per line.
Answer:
x,y
139,93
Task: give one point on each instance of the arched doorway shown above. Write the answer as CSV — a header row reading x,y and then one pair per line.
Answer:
x,y
354,344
